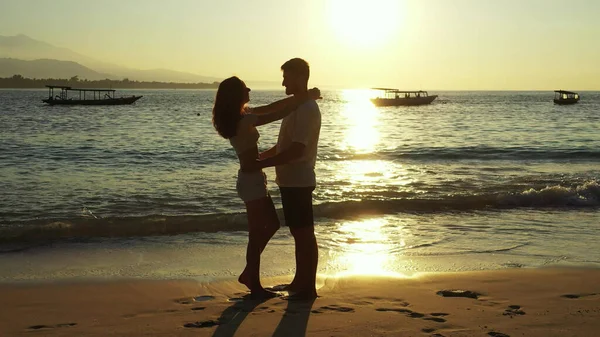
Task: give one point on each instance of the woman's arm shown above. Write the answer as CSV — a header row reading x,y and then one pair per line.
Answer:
x,y
295,102
277,115
275,106
282,103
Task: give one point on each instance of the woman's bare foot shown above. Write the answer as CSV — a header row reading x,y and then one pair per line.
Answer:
x,y
246,280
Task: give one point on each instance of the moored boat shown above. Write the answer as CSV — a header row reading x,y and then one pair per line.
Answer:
x,y
86,97
563,97
395,97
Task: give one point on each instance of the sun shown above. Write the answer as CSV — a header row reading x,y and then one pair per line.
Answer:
x,y
361,23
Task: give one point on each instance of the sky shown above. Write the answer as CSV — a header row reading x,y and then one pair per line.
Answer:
x,y
406,44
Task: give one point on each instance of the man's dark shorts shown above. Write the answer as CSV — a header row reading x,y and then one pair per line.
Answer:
x,y
297,206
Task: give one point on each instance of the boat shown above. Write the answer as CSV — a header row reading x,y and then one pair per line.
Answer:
x,y
563,97
395,97
86,97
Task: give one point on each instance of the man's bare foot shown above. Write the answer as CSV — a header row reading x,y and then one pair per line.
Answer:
x,y
284,287
292,287
303,295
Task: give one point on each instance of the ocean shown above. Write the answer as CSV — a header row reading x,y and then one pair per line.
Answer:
x,y
474,181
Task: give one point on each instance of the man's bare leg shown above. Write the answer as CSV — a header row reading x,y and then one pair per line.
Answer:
x,y
307,255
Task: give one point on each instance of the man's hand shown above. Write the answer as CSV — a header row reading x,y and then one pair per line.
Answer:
x,y
268,154
252,166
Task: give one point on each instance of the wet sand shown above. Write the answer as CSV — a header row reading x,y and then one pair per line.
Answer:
x,y
516,302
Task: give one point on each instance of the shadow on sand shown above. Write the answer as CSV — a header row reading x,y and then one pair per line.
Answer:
x,y
295,319
293,322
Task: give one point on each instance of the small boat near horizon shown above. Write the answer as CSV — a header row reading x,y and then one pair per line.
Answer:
x,y
563,97
98,97
395,97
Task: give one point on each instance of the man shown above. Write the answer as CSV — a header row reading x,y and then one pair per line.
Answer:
x,y
294,159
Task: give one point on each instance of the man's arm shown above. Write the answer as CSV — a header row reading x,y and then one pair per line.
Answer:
x,y
269,153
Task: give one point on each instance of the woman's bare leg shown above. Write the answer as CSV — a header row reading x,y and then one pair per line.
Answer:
x,y
262,225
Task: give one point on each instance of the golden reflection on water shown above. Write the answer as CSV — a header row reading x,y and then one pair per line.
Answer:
x,y
374,173
361,118
365,249
361,136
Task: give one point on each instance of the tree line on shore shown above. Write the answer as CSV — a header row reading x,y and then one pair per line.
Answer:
x,y
20,82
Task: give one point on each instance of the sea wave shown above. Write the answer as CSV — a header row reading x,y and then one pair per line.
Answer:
x,y
584,195
475,153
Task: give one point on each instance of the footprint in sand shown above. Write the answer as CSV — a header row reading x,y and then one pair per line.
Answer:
x,y
361,302
497,334
408,312
60,325
375,298
188,300
436,316
416,315
152,313
459,293
236,299
332,307
575,296
513,310
402,310
203,324
400,302
435,319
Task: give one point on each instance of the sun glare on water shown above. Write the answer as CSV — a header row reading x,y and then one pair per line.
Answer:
x,y
361,118
364,23
366,249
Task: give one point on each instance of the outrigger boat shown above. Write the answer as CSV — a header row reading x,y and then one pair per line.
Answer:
x,y
563,97
395,97
98,97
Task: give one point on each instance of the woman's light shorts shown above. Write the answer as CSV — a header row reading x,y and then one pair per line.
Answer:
x,y
251,185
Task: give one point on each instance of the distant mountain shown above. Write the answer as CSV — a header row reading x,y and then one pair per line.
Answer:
x,y
162,75
45,68
25,48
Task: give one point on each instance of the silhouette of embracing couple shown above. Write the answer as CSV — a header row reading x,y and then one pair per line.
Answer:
x,y
293,157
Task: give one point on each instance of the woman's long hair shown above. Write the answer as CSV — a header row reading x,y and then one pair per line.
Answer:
x,y
228,106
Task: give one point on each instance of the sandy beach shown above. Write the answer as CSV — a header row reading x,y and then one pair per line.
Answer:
x,y
512,302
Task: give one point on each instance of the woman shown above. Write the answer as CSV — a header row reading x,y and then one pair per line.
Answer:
x,y
233,120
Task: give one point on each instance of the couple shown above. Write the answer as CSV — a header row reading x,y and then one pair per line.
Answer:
x,y
294,158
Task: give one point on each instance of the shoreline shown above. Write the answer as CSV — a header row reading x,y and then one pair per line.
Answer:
x,y
509,302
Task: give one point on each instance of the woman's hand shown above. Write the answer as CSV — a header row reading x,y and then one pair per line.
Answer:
x,y
314,93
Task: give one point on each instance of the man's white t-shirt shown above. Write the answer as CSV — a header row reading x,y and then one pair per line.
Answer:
x,y
301,126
